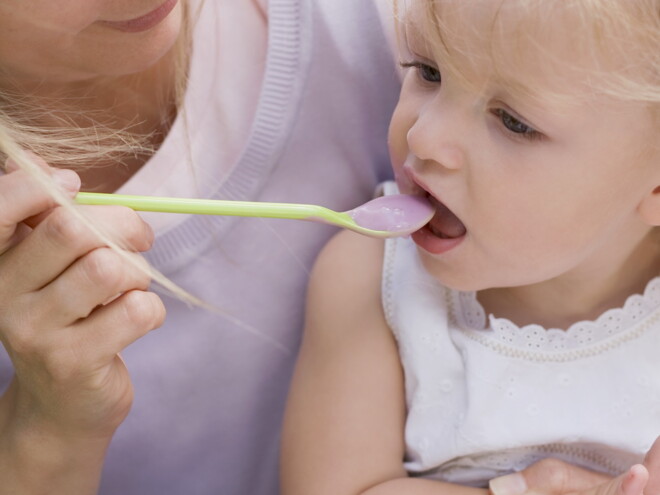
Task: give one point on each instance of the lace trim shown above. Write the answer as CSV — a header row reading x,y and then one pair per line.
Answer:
x,y
613,322
592,456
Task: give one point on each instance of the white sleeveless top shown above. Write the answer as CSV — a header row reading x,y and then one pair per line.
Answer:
x,y
486,397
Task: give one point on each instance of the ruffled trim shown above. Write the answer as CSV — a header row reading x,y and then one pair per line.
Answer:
x,y
533,337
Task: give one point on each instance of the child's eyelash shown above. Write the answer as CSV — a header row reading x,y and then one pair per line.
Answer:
x,y
427,72
516,126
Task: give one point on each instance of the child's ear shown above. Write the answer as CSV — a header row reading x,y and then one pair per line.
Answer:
x,y
649,208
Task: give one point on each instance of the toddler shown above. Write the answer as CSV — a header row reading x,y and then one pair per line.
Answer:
x,y
523,322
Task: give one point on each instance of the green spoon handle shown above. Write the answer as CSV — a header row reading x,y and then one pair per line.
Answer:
x,y
212,207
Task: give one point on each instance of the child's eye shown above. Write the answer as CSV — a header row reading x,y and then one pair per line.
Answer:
x,y
425,71
515,125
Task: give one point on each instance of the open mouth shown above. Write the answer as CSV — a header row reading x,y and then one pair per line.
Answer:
x,y
444,223
443,233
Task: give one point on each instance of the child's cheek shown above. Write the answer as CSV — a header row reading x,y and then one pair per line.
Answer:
x,y
397,140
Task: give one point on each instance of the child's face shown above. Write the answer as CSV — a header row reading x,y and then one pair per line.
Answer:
x,y
67,40
539,187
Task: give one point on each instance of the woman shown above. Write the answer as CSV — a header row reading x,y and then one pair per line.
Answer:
x,y
285,100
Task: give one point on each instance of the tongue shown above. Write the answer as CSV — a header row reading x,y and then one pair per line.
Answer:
x,y
446,223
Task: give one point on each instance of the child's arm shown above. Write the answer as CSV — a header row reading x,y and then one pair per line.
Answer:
x,y
343,431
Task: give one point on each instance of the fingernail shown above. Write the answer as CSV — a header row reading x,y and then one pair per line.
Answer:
x,y
10,165
511,484
67,179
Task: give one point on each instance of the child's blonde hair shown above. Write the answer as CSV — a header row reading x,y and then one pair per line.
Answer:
x,y
619,38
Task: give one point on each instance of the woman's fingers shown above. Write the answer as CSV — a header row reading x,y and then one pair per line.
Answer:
x,y
72,379
631,483
549,477
21,198
75,353
68,305
90,281
112,327
652,464
61,238
555,477
79,351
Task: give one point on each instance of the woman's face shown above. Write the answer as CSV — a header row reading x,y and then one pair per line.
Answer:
x,y
75,40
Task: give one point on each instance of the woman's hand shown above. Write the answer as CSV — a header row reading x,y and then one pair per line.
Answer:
x,y
555,477
68,306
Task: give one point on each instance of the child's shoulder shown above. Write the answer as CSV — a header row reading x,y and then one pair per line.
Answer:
x,y
346,243
351,257
346,279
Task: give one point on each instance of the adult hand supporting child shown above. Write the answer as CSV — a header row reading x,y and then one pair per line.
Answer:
x,y
555,477
70,389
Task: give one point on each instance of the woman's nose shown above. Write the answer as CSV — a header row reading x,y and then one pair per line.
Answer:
x,y
437,135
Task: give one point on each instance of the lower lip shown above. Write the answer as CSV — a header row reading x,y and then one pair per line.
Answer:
x,y
430,242
144,22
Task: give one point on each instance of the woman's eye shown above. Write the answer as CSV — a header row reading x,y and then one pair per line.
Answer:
x,y
516,126
425,71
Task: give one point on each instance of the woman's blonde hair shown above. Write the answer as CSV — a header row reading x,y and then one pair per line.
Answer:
x,y
620,39
76,146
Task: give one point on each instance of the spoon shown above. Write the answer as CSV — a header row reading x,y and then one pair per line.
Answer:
x,y
386,216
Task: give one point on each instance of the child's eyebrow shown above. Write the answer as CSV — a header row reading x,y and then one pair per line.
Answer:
x,y
535,90
408,36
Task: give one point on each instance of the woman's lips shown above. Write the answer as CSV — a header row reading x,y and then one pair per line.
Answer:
x,y
145,22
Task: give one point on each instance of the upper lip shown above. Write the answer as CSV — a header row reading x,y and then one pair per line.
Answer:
x,y
144,18
420,188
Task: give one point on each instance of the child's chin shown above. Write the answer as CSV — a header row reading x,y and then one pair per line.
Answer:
x,y
453,274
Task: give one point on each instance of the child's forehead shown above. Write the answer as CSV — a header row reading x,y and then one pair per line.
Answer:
x,y
477,24
531,46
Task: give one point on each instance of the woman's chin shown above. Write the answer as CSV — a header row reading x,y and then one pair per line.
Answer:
x,y
122,53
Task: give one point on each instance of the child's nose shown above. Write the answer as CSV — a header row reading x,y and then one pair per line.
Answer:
x,y
437,136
